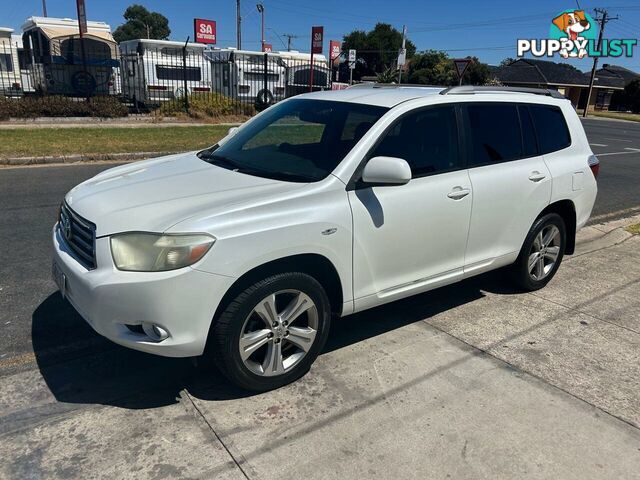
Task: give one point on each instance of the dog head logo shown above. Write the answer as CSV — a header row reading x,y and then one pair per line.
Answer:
x,y
574,28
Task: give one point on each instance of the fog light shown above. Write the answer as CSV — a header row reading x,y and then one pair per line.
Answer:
x,y
154,332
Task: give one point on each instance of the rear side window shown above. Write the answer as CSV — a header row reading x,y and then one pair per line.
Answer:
x,y
427,139
551,128
494,132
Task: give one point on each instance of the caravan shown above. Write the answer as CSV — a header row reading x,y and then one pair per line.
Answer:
x,y
60,64
10,82
255,77
298,66
154,71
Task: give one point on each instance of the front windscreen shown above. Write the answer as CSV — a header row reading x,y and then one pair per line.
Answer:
x,y
299,140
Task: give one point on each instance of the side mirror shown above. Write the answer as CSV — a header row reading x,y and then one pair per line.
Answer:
x,y
232,131
386,171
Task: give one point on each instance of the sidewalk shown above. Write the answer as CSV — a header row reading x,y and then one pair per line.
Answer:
x,y
470,381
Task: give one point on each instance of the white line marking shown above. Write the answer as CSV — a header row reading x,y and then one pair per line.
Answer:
x,y
617,153
632,149
617,139
598,145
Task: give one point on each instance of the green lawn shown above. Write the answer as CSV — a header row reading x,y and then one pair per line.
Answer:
x,y
66,141
633,117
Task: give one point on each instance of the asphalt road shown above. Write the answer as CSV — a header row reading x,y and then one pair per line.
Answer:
x,y
33,318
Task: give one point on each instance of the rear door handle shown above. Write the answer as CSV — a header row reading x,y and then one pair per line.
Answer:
x,y
537,176
458,193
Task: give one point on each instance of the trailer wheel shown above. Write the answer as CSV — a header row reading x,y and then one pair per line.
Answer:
x,y
264,99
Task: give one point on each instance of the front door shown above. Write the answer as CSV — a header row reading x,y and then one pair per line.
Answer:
x,y
412,237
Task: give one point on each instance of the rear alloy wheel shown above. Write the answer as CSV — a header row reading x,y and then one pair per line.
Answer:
x,y
541,253
271,333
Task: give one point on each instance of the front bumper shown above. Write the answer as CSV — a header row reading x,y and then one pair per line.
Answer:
x,y
181,301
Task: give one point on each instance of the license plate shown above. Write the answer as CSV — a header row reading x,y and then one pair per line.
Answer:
x,y
60,279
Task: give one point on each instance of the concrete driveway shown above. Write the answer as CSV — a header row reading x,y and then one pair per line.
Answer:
x,y
468,381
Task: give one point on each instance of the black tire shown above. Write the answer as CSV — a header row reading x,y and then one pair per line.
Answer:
x,y
223,344
264,98
520,269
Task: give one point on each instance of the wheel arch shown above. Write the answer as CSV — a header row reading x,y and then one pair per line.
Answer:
x,y
567,210
313,264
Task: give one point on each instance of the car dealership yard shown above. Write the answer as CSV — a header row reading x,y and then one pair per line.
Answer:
x,y
469,381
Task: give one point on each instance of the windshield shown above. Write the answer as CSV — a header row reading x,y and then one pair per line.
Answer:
x,y
298,140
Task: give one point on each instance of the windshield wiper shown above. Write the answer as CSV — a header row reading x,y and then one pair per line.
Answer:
x,y
220,161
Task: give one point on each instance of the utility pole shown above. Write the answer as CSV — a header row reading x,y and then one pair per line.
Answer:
x,y
289,37
602,17
44,8
238,27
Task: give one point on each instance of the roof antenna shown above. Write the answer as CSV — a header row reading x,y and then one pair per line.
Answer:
x,y
578,4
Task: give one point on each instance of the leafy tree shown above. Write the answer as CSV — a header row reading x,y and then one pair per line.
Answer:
x,y
507,61
376,50
632,96
389,75
434,67
141,23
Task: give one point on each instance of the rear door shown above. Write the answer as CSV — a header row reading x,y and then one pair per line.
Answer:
x,y
510,180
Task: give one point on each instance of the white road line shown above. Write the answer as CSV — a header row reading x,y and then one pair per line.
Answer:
x,y
617,139
598,145
632,149
635,150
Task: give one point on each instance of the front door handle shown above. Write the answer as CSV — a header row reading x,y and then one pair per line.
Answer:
x,y
458,193
537,176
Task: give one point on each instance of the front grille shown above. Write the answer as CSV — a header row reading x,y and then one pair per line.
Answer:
x,y
80,236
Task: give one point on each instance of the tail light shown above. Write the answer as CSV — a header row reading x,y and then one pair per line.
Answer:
x,y
594,165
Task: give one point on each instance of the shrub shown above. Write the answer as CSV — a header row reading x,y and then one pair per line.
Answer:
x,y
56,106
207,105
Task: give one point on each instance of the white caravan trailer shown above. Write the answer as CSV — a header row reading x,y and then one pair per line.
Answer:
x,y
10,81
241,74
298,67
57,63
153,71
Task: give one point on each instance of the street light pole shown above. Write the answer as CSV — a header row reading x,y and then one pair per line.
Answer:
x,y
44,8
260,8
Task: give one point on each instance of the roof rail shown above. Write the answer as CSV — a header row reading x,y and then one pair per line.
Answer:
x,y
472,89
392,85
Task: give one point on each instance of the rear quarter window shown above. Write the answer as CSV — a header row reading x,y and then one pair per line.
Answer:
x,y
551,128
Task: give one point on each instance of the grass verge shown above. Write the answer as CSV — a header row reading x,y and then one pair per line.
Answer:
x,y
632,117
633,229
68,141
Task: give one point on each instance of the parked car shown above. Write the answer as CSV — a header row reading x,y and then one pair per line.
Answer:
x,y
321,206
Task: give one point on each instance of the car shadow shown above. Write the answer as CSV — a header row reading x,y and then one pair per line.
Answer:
x,y
79,366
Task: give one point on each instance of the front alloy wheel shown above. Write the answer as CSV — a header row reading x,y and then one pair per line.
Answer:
x,y
272,331
275,339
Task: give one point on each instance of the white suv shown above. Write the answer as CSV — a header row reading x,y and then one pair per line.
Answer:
x,y
323,205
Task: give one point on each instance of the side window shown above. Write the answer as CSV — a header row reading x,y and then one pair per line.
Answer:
x,y
494,132
551,128
426,139
529,145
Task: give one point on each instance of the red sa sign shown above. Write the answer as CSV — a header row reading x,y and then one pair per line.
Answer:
x,y
317,36
204,30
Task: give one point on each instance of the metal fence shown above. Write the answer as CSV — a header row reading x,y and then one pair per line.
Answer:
x,y
149,75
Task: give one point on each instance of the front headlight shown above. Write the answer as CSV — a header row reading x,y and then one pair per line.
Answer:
x,y
153,252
